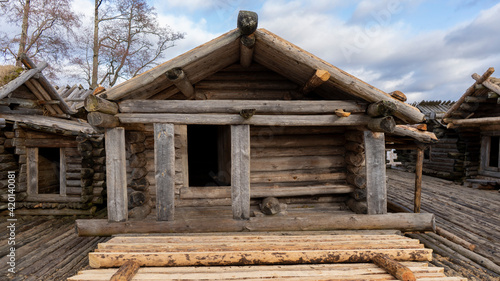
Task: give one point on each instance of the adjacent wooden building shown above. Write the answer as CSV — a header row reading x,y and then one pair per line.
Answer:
x,y
244,117
57,160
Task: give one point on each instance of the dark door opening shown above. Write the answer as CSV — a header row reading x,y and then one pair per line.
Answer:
x,y
49,170
209,155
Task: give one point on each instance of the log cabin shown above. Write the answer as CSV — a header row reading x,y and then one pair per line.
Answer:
x,y
199,142
475,117
55,160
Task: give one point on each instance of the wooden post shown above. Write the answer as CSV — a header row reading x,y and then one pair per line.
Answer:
x,y
62,172
375,173
116,174
164,171
418,178
247,42
240,171
32,170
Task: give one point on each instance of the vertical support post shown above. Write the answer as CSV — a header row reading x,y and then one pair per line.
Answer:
x,y
240,171
62,172
164,171
116,174
182,152
32,170
418,178
376,196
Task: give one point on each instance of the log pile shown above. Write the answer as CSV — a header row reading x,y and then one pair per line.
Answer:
x,y
469,215
286,256
139,199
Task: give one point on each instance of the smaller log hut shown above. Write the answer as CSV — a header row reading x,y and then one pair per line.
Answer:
x,y
476,118
54,160
244,117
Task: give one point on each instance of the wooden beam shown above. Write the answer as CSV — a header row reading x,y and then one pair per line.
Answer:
x,y
103,120
235,106
177,76
342,80
51,122
421,136
240,171
319,77
236,119
164,171
214,192
375,173
116,175
418,179
62,172
247,42
383,124
472,122
93,103
126,271
247,22
396,221
394,268
487,83
381,108
468,92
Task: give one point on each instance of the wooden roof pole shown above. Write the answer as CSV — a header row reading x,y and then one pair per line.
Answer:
x,y
468,92
487,83
319,77
247,42
177,76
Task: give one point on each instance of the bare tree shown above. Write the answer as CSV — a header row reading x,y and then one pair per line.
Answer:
x,y
45,28
127,40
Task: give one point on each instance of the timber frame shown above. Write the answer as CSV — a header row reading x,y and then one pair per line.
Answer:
x,y
289,124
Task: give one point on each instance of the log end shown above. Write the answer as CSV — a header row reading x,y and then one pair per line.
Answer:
x,y
247,22
323,75
398,95
175,73
248,40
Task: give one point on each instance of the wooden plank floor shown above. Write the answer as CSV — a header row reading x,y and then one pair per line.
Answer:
x,y
471,214
47,248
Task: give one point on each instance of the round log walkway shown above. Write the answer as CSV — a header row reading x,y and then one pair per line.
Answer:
x,y
468,219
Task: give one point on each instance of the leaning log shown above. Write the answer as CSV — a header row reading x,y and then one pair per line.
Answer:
x,y
126,272
247,22
178,77
394,268
93,103
400,221
319,77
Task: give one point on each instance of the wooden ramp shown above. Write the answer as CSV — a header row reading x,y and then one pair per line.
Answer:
x,y
306,256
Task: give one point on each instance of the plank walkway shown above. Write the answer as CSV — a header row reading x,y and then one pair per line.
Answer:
x,y
470,214
47,248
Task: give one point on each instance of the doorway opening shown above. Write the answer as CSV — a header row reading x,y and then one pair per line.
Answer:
x,y
209,155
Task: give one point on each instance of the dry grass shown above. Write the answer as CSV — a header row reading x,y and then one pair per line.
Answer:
x,y
9,73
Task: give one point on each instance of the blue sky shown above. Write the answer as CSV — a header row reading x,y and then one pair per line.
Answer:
x,y
427,49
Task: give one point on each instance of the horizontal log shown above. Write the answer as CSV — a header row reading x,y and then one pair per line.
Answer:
x,y
263,177
399,221
472,122
214,192
257,120
51,122
50,143
103,120
257,152
93,103
296,163
235,106
296,141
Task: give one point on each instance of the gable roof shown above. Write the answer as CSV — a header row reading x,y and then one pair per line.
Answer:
x,y
270,51
43,92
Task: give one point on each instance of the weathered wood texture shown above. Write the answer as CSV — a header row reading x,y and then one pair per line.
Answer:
x,y
393,267
469,214
116,175
405,222
240,171
165,171
418,180
375,173
310,272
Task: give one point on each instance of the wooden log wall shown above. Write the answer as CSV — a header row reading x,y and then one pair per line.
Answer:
x,y
356,170
252,83
8,162
308,157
